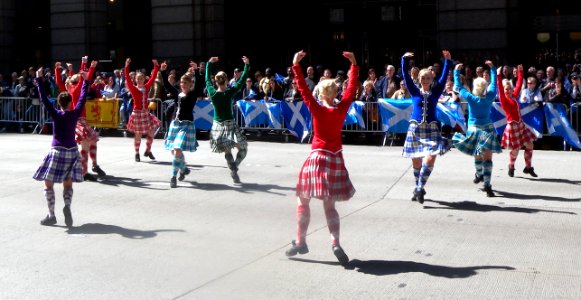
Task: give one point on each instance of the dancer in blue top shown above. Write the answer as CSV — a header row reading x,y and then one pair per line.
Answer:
x,y
424,140
480,140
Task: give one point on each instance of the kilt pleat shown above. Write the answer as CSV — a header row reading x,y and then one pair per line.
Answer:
x,y
477,140
425,139
60,164
516,135
84,132
226,135
142,122
325,177
181,135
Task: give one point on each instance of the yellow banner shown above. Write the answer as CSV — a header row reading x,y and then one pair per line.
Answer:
x,y
103,113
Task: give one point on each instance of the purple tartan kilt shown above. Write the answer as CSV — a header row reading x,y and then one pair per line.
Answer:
x,y
142,122
516,135
325,177
60,164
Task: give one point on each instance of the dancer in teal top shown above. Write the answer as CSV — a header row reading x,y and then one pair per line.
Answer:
x,y
480,140
225,133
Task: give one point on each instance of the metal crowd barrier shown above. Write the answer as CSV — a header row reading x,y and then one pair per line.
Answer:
x,y
21,111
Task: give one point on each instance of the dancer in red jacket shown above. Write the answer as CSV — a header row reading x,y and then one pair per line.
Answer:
x,y
516,134
141,120
84,134
323,174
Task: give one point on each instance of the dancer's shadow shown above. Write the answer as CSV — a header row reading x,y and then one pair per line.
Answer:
x,y
555,180
534,197
98,228
126,181
245,188
330,263
384,267
473,206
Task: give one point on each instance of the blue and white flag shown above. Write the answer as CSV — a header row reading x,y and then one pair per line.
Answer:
x,y
532,117
297,118
451,115
278,78
395,114
260,113
355,114
203,114
558,124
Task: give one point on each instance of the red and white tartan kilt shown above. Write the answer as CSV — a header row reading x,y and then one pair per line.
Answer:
x,y
142,122
325,177
516,135
84,132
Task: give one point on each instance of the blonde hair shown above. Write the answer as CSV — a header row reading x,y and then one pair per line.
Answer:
x,y
368,83
187,78
221,78
506,82
479,87
328,88
424,71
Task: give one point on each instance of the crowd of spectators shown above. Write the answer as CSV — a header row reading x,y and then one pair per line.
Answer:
x,y
553,78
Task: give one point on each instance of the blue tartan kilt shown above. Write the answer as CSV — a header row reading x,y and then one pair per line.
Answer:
x,y
478,139
60,164
181,135
425,139
226,135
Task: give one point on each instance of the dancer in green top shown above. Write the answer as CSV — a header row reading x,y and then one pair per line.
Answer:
x,y
225,133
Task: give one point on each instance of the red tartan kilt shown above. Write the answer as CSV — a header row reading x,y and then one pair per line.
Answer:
x,y
516,135
84,132
325,177
142,122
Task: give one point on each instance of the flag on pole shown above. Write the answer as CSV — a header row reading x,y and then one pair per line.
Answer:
x,y
558,124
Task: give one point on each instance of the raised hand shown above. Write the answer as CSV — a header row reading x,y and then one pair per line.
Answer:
x,y
350,56
520,68
459,66
213,59
489,63
39,72
245,60
163,66
408,54
193,65
155,63
57,65
94,63
127,62
446,54
499,71
298,57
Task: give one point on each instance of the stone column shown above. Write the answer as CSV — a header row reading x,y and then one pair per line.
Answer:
x,y
78,28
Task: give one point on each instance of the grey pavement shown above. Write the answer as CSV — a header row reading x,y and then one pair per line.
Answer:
x,y
135,238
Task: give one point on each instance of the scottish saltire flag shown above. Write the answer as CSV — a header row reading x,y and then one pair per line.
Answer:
x,y
451,115
297,118
203,114
355,114
395,114
274,113
260,113
532,116
278,78
558,124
